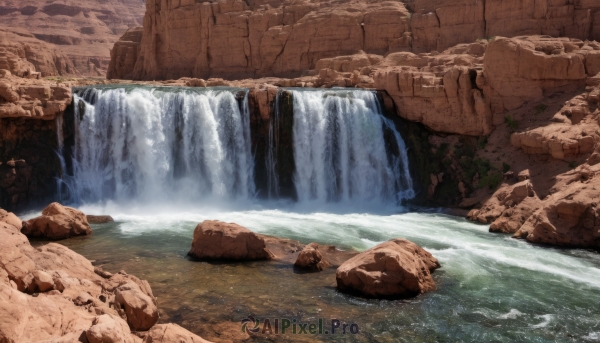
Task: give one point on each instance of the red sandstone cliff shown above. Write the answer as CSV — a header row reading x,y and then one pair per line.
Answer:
x,y
78,35
249,39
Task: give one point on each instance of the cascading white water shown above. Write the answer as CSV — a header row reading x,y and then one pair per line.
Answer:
x,y
340,149
161,144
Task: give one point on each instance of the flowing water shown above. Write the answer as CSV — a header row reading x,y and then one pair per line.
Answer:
x,y
156,144
491,288
340,150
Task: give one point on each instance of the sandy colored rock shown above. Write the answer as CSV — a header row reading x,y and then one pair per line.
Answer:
x,y
32,98
167,333
569,216
43,281
68,37
572,132
397,268
311,259
214,240
109,329
10,219
52,294
57,222
136,299
507,196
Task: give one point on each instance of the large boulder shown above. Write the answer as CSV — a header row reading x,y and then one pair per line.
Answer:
x,y
215,240
311,259
168,333
57,222
396,268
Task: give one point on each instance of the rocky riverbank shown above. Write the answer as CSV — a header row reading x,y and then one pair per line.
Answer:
x,y
53,294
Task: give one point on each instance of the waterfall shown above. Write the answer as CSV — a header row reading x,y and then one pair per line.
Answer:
x,y
345,150
161,144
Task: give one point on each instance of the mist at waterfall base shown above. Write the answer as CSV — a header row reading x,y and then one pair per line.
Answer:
x,y
491,288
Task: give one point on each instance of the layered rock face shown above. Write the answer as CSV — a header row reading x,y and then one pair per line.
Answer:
x,y
439,24
24,55
29,164
236,39
28,98
81,31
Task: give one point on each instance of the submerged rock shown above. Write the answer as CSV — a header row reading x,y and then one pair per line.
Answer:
x,y
99,219
215,240
311,259
397,268
57,222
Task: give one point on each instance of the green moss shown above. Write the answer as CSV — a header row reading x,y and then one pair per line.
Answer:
x,y
505,167
491,180
511,123
540,108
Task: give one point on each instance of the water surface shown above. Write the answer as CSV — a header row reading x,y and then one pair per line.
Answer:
x,y
491,288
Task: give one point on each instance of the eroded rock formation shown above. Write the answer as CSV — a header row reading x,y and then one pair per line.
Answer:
x,y
68,37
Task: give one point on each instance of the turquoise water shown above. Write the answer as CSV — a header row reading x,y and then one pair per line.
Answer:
x,y
491,288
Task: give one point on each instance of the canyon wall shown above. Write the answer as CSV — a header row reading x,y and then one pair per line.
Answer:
x,y
236,39
80,32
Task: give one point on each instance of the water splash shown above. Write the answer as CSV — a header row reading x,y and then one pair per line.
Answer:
x,y
157,144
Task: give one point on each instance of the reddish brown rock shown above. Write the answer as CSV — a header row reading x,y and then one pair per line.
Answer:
x,y
124,54
68,37
57,222
167,333
311,259
109,329
38,99
92,219
569,217
136,299
10,219
397,268
214,240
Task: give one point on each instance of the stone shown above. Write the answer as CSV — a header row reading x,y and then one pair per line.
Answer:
x,y
109,329
10,219
52,294
215,240
92,219
311,259
397,268
43,281
135,297
57,222
167,333
523,175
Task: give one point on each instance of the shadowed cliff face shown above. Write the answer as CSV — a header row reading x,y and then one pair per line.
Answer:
x,y
237,39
